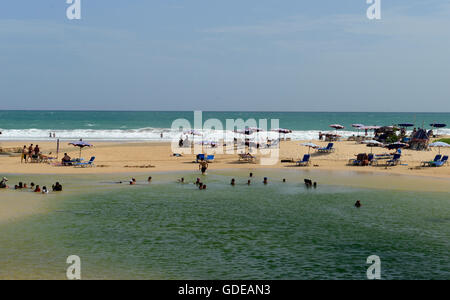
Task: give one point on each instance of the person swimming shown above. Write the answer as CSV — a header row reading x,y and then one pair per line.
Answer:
x,y
149,179
200,186
44,190
251,175
249,182
265,181
181,180
37,189
233,181
197,182
57,187
204,187
284,179
358,204
132,181
3,184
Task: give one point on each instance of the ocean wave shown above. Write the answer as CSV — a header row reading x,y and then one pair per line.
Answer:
x,y
154,134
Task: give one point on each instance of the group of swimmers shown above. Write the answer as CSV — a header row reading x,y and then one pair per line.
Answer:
x,y
57,187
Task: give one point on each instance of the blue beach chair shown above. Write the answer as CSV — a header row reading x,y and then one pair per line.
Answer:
x,y
210,158
327,149
430,163
394,161
90,163
442,162
305,161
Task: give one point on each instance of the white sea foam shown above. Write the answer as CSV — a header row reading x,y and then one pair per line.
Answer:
x,y
152,134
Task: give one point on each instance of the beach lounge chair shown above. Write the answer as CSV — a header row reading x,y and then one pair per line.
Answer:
x,y
90,163
327,149
429,163
246,157
442,162
210,158
362,159
305,161
200,157
394,161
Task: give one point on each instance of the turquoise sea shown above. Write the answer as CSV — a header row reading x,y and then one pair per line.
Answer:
x,y
148,125
166,230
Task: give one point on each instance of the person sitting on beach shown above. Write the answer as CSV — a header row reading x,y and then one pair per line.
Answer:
x,y
44,190
203,166
233,182
57,187
37,189
149,179
265,180
358,204
3,183
66,160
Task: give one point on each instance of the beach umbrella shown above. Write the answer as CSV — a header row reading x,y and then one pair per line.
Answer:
x,y
438,125
371,143
192,132
310,145
81,144
396,145
406,125
337,127
439,145
282,130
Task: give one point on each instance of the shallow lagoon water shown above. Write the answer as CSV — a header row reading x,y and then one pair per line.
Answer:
x,y
166,230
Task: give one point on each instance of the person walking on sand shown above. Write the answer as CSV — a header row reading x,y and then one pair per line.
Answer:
x,y
24,154
30,152
203,166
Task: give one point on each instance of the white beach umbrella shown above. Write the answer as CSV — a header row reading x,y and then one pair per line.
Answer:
x,y
439,145
310,145
371,143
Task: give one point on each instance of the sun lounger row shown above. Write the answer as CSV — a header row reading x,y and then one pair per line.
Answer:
x,y
438,161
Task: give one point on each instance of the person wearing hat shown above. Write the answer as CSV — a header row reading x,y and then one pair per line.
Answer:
x,y
3,183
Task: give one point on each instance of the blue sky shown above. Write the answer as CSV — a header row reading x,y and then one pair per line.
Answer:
x,y
322,55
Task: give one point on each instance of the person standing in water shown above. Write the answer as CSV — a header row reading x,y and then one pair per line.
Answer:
x,y
358,204
203,166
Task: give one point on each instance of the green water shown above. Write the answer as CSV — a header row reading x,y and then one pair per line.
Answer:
x,y
166,230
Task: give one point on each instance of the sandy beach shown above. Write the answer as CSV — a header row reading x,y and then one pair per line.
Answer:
x,y
114,157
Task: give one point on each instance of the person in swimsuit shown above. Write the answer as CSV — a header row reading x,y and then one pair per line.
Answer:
x,y
203,166
24,154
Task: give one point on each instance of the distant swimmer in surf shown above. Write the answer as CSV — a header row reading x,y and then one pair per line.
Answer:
x,y
358,204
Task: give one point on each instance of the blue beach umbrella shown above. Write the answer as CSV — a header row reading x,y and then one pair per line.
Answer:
x,y
438,125
81,144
